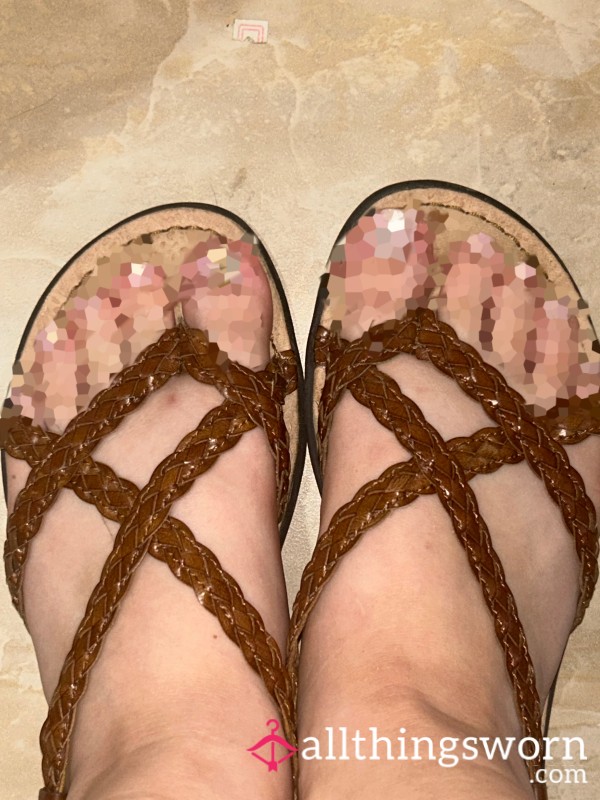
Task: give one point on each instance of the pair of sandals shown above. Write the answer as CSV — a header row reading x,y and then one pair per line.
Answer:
x,y
291,411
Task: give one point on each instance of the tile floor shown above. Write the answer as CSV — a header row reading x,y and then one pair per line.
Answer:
x,y
110,108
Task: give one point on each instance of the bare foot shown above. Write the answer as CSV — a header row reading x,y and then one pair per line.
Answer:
x,y
400,636
171,705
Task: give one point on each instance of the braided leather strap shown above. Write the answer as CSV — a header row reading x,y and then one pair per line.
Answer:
x,y
446,468
421,334
59,461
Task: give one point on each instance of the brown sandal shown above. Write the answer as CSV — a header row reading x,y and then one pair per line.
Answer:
x,y
335,365
270,398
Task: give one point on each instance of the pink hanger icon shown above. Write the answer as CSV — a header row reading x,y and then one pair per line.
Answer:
x,y
270,742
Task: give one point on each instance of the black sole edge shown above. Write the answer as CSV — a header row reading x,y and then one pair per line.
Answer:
x,y
298,466
359,211
365,205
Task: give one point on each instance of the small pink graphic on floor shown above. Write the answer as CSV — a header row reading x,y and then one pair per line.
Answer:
x,y
269,746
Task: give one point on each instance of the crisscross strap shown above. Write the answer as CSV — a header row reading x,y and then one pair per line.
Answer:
x,y
58,461
445,469
423,335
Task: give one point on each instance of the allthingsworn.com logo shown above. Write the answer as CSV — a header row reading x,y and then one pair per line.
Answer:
x,y
340,745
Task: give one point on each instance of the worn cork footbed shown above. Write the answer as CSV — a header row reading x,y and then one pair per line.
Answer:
x,y
167,226
488,218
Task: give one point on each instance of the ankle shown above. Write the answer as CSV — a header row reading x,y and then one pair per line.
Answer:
x,y
182,765
159,769
424,754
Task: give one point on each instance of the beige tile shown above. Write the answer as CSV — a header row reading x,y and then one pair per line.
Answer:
x,y
110,108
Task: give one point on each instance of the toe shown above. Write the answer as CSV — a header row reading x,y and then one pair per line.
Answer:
x,y
226,292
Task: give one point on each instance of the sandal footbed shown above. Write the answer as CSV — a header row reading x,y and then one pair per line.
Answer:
x,y
489,217
163,220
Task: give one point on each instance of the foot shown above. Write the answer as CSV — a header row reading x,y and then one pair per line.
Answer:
x,y
409,642
171,706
